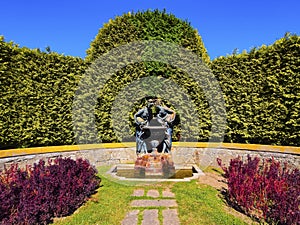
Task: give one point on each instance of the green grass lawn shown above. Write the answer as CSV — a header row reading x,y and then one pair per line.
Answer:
x,y
197,204
201,204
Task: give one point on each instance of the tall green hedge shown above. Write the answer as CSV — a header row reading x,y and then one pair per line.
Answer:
x,y
147,26
261,88
262,91
36,92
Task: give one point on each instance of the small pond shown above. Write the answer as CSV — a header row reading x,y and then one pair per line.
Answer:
x,y
182,173
179,174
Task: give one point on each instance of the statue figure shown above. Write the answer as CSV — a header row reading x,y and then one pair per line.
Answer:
x,y
142,118
154,140
164,116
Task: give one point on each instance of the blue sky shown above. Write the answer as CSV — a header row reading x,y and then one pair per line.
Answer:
x,y
68,26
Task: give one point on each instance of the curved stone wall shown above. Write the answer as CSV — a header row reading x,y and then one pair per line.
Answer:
x,y
184,153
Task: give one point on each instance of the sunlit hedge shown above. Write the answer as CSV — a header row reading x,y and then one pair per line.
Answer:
x,y
144,26
36,92
261,88
262,93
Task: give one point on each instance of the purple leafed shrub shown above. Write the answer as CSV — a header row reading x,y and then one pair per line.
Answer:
x,y
265,189
38,193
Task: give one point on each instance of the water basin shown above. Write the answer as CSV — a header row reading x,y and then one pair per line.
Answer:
x,y
182,173
179,174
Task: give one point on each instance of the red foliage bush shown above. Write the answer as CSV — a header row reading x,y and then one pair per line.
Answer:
x,y
38,193
267,190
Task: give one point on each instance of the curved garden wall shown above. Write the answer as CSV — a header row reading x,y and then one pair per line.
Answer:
x,y
183,153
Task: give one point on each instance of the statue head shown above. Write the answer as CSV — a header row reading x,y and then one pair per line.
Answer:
x,y
150,102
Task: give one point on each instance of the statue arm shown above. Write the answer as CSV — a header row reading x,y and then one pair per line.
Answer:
x,y
170,114
138,115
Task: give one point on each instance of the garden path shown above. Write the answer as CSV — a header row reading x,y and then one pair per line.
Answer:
x,y
157,205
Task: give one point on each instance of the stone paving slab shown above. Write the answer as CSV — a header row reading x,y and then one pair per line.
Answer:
x,y
150,217
170,217
153,193
131,218
154,203
138,192
168,194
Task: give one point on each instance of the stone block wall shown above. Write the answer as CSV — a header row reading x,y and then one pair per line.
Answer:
x,y
205,157
97,157
183,156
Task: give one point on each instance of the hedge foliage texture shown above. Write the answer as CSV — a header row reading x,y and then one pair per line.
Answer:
x,y
262,91
261,88
36,92
134,28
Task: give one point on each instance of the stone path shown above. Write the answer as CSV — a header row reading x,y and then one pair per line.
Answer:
x,y
160,206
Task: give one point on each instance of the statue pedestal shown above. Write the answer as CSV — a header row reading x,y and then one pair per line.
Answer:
x,y
154,165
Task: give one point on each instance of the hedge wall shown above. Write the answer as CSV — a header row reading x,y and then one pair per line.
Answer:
x,y
262,91
144,26
261,87
36,92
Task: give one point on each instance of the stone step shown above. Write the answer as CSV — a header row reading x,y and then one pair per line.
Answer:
x,y
168,194
150,217
154,203
138,193
170,217
131,218
153,193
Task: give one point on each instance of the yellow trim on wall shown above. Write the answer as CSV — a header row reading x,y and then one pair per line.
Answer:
x,y
64,148
250,147
68,148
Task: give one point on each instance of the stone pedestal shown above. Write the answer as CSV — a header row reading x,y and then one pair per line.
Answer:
x,y
154,164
